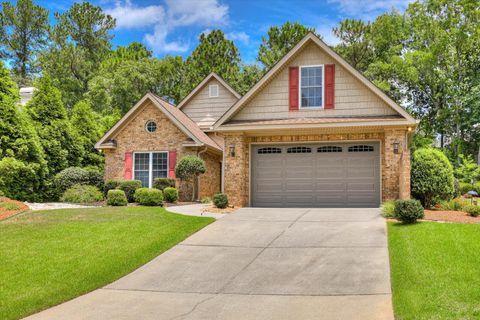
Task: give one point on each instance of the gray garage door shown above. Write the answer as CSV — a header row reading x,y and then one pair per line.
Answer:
x,y
316,175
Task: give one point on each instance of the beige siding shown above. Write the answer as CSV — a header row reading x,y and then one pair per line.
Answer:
x,y
352,98
202,105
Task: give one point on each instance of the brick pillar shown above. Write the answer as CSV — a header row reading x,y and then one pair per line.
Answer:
x,y
396,167
236,170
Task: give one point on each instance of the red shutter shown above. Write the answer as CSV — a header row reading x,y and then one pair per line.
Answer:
x,y
329,86
172,162
293,89
127,173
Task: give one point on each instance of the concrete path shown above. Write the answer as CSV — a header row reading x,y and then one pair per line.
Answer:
x,y
257,264
35,206
197,209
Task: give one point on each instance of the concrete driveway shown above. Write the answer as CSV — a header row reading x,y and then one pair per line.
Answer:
x,y
257,264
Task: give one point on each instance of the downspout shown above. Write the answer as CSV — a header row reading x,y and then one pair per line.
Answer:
x,y
198,180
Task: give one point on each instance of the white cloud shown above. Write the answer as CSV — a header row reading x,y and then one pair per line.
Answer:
x,y
326,32
164,20
238,36
368,9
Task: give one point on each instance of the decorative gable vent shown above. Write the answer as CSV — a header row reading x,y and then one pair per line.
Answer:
x,y
213,90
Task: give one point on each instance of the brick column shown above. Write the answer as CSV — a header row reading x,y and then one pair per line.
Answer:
x,y
396,167
236,170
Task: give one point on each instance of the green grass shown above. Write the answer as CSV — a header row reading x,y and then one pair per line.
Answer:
x,y
47,257
435,270
9,206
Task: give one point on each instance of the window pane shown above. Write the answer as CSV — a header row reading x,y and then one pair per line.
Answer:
x,y
159,165
311,87
142,162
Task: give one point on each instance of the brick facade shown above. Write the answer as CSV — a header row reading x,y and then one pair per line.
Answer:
x,y
395,167
133,137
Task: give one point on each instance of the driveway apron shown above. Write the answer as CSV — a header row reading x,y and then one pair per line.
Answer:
x,y
257,263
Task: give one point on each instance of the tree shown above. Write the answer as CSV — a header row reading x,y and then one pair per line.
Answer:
x,y
249,75
188,169
279,41
354,46
62,146
23,32
215,53
468,170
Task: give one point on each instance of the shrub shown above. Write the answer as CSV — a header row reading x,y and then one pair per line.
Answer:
x,y
95,178
472,210
206,200
116,198
129,187
110,185
453,205
69,177
162,183
388,209
476,187
170,194
82,194
18,180
465,187
188,169
220,200
1,193
432,176
149,197
408,211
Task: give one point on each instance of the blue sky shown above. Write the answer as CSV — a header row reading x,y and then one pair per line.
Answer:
x,y
172,27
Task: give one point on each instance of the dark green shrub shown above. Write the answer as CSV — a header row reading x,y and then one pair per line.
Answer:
x,y
95,178
472,210
149,197
432,177
188,169
408,211
82,194
129,186
388,209
116,198
110,185
162,183
18,179
170,194
220,200
69,177
1,193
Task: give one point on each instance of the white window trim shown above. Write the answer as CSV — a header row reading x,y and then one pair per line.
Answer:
x,y
210,95
300,87
150,165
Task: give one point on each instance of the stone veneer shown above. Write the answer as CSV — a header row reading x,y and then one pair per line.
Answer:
x,y
395,167
134,137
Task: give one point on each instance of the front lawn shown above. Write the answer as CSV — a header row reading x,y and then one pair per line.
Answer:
x,y
51,256
435,270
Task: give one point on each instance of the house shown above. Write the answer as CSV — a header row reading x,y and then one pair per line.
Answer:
x,y
313,132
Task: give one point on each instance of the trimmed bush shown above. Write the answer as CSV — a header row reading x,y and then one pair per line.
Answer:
x,y
388,209
116,198
130,186
149,197
220,200
82,194
69,177
472,210
432,177
188,169
408,211
110,185
170,194
162,183
18,179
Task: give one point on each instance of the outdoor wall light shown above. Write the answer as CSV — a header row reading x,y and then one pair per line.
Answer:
x,y
396,147
231,149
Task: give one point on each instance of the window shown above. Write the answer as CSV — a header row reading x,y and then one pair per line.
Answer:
x,y
151,126
299,150
311,87
360,148
213,90
268,150
150,165
329,149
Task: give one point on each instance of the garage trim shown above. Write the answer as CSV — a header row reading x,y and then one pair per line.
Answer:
x,y
250,180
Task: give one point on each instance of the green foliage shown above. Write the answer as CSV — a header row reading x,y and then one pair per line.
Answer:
x,y
279,41
465,187
111,185
206,200
82,194
130,186
18,180
467,170
149,197
431,176
162,183
388,209
355,43
408,211
188,169
71,176
472,210
456,204
220,200
23,33
8,206
116,198
170,194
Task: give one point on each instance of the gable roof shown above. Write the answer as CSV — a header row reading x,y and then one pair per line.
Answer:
x,y
181,120
199,87
310,38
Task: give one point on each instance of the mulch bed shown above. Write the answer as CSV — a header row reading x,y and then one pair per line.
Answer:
x,y
213,209
450,216
4,213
